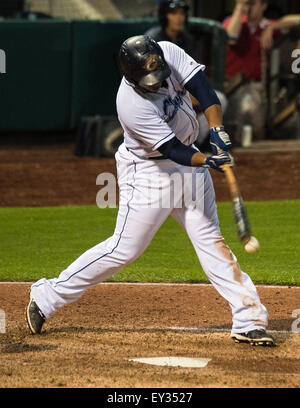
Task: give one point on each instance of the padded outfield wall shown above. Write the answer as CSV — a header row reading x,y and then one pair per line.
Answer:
x,y
60,70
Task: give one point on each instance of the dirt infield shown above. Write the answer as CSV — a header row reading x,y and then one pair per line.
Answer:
x,y
89,343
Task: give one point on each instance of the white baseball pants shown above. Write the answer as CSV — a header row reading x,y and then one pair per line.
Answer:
x,y
145,203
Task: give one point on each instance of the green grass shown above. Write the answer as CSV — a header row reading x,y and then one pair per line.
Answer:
x,y
40,242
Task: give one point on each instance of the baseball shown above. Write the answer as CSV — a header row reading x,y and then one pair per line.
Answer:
x,y
252,245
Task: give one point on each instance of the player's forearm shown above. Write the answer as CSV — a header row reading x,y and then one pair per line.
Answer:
x,y
182,154
188,156
235,25
214,116
198,160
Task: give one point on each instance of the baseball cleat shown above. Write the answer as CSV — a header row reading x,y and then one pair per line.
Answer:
x,y
34,317
254,337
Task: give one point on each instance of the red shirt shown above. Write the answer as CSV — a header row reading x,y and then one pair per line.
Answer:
x,y
245,55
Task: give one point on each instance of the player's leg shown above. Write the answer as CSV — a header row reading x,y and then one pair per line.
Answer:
x,y
136,225
219,263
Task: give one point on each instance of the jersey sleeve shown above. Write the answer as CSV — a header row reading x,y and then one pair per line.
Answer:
x,y
182,64
149,128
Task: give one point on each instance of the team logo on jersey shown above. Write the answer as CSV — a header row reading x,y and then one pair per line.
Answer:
x,y
152,63
171,107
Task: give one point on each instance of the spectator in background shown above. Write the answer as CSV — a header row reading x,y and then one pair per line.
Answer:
x,y
173,18
250,35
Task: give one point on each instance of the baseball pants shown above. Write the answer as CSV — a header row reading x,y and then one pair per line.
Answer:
x,y
150,192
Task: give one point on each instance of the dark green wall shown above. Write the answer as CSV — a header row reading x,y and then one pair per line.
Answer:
x,y
35,91
95,73
59,71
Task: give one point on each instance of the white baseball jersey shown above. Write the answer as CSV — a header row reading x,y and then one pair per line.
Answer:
x,y
151,119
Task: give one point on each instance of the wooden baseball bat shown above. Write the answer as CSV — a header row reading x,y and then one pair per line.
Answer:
x,y
239,211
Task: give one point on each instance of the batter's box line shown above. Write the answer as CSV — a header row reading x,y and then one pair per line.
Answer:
x,y
217,330
182,329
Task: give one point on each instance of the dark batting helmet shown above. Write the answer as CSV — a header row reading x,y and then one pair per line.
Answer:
x,y
142,61
166,6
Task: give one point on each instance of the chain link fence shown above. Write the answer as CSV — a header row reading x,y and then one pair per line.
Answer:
x,y
81,9
141,8
69,9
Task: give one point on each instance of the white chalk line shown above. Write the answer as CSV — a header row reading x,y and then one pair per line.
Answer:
x,y
200,330
277,374
163,284
218,330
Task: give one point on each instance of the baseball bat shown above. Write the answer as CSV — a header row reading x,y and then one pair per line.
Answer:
x,y
239,211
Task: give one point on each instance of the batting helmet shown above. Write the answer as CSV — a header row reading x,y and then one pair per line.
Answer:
x,y
142,61
166,6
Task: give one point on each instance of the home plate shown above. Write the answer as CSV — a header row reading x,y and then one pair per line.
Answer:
x,y
174,361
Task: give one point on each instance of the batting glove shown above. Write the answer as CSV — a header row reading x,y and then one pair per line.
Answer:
x,y
215,162
219,140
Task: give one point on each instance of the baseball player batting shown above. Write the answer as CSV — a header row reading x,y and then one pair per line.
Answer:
x,y
160,127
